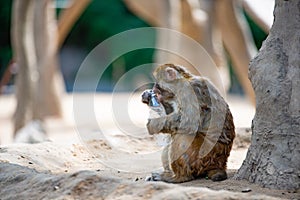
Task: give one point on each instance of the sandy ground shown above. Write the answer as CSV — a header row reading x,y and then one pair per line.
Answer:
x,y
106,108
107,136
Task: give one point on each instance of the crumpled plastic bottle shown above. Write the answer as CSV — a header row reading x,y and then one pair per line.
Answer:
x,y
157,110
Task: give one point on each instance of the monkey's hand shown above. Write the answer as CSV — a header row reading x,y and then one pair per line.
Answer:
x,y
146,97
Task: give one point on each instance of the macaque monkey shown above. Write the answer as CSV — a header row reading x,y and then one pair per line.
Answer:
x,y
198,121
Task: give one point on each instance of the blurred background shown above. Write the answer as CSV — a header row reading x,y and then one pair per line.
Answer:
x,y
99,21
44,42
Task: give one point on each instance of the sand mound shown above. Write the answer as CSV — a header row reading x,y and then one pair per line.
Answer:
x,y
19,182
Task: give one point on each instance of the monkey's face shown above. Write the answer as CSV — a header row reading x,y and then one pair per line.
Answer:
x,y
169,78
165,75
165,97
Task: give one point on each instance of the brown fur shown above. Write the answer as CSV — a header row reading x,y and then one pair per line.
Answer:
x,y
194,110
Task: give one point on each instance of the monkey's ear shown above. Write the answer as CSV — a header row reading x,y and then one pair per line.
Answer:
x,y
171,74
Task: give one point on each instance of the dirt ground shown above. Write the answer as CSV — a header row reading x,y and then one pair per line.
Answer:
x,y
111,147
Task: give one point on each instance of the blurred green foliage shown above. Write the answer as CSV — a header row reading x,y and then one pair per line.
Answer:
x,y
258,34
5,46
101,20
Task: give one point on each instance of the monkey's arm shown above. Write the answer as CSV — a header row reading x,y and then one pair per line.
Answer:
x,y
166,124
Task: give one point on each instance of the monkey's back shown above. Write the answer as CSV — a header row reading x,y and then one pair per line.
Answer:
x,y
210,147
215,116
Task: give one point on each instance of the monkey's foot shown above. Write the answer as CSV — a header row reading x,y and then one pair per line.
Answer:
x,y
217,175
155,176
168,177
160,176
148,178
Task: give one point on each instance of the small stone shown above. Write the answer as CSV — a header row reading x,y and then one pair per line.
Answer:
x,y
246,190
265,143
30,163
56,187
289,171
136,179
270,169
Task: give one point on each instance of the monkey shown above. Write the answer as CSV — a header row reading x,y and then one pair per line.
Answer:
x,y
198,121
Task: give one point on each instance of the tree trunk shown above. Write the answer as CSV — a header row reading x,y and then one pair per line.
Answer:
x,y
273,158
22,44
237,41
34,43
50,84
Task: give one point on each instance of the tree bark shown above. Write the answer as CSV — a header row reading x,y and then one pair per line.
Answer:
x,y
273,158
